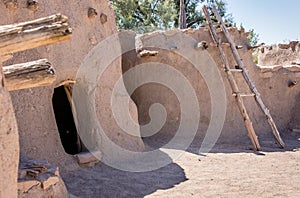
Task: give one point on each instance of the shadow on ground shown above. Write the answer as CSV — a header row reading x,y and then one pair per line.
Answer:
x,y
104,181
243,145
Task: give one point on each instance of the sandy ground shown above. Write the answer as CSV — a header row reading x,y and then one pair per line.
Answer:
x,y
230,170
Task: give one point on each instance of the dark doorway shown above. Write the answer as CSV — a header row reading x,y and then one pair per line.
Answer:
x,y
65,120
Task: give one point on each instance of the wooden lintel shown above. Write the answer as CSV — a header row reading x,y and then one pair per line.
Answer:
x,y
29,75
40,32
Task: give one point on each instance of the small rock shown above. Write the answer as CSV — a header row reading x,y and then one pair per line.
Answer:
x,y
296,150
22,174
50,181
25,186
53,171
90,164
86,157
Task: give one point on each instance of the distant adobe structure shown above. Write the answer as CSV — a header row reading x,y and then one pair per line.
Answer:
x,y
284,59
281,54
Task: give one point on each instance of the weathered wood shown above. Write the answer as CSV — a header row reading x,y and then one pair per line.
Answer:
x,y
40,32
182,15
244,94
250,83
296,130
28,75
256,46
233,84
146,53
65,82
235,70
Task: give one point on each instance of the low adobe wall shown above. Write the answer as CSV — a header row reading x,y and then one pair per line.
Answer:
x,y
272,84
283,61
281,54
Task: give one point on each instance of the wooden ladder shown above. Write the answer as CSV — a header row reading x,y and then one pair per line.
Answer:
x,y
236,92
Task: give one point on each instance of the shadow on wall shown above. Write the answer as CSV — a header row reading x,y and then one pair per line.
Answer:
x,y
295,122
234,135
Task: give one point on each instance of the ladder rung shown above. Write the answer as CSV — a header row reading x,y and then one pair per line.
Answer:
x,y
235,70
244,94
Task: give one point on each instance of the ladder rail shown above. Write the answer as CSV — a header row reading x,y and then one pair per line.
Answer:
x,y
251,133
251,84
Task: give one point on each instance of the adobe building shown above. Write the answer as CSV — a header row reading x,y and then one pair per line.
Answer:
x,y
45,120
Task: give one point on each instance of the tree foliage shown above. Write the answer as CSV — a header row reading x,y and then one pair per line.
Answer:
x,y
144,16
148,15
253,37
194,14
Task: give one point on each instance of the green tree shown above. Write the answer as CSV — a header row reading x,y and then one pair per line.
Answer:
x,y
194,15
144,15
149,15
253,37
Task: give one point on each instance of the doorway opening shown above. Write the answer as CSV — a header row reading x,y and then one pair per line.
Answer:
x,y
62,106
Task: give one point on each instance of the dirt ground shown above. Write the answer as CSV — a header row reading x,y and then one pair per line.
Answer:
x,y
230,170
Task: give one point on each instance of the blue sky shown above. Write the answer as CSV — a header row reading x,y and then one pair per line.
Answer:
x,y
276,21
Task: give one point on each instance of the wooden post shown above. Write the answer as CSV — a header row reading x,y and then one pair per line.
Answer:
x,y
251,84
251,133
32,34
182,15
29,75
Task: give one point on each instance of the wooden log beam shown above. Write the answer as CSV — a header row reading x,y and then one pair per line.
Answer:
x,y
28,75
40,32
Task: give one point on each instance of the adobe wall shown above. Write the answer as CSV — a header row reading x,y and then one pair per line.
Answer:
x,y
9,141
272,84
281,54
279,61
39,137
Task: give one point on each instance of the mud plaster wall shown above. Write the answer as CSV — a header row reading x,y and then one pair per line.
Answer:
x,y
9,138
39,137
283,59
273,85
281,54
